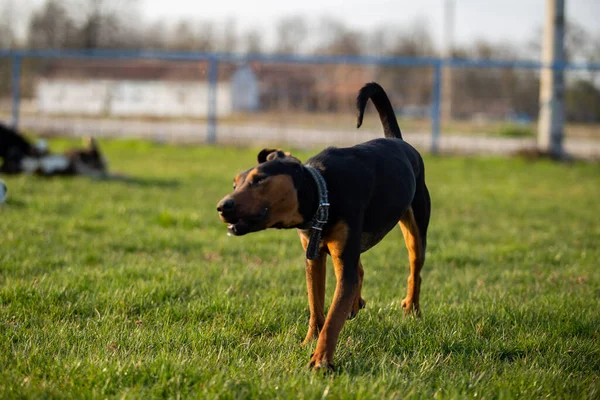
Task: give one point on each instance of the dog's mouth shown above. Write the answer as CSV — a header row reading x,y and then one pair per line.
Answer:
x,y
253,223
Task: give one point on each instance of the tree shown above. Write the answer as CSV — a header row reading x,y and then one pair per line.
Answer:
x,y
414,41
292,33
579,43
497,92
336,38
228,42
413,85
189,36
379,40
583,101
7,32
106,23
183,37
206,36
252,41
155,36
52,27
88,24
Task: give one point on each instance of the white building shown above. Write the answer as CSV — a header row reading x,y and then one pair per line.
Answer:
x,y
156,90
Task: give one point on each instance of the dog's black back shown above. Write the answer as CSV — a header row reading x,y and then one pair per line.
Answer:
x,y
385,175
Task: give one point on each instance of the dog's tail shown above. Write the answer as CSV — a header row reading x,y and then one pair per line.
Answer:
x,y
386,113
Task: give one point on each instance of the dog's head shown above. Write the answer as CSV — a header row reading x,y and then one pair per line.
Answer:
x,y
3,191
89,161
265,196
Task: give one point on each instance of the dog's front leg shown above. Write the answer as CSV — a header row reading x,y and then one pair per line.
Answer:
x,y
343,246
315,283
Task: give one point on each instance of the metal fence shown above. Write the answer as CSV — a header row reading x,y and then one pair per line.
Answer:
x,y
302,100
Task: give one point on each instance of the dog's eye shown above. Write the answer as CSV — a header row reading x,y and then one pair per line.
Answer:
x,y
259,180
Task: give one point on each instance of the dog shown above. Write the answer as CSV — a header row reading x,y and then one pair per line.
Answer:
x,y
20,156
342,201
87,161
3,191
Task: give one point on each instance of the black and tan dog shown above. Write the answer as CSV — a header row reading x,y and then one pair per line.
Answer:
x,y
343,201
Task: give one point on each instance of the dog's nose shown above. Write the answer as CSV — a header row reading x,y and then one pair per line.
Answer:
x,y
226,207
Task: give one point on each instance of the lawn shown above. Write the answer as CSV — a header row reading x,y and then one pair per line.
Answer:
x,y
133,289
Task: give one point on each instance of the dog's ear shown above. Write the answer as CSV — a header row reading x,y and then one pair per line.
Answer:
x,y
271,154
91,143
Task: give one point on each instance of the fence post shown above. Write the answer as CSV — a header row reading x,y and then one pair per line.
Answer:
x,y
552,81
213,77
16,89
435,106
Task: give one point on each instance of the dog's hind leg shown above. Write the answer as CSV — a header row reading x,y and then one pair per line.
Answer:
x,y
315,284
421,206
359,302
416,256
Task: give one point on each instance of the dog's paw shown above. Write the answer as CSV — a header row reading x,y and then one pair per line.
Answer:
x,y
320,364
312,334
411,308
309,338
356,307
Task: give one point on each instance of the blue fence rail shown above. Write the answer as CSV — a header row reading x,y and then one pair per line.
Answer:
x,y
213,59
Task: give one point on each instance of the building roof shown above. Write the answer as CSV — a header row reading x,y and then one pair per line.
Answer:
x,y
126,70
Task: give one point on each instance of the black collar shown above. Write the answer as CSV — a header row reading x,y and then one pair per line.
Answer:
x,y
321,215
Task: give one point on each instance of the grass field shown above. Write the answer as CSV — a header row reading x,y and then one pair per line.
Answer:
x,y
132,289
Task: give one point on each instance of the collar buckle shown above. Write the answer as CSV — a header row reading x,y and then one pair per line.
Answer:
x,y
322,214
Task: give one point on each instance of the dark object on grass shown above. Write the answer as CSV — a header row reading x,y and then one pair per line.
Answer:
x,y
20,156
86,161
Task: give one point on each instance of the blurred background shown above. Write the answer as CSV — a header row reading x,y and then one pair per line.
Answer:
x,y
463,75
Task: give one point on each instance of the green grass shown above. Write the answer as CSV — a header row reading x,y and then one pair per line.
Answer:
x,y
114,289
512,130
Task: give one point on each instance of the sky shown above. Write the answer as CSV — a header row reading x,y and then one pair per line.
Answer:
x,y
511,21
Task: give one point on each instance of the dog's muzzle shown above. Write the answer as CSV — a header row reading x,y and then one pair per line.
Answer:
x,y
240,224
